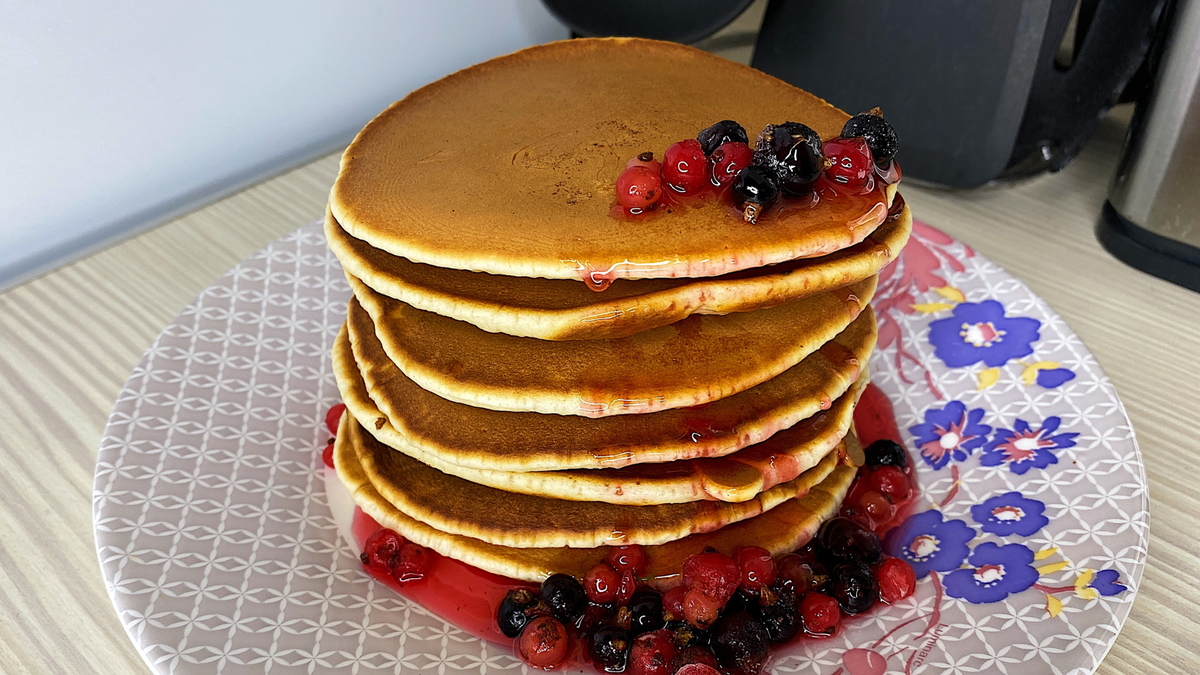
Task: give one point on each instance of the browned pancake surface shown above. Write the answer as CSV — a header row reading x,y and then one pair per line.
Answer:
x,y
457,506
509,166
692,362
733,478
560,309
508,441
780,530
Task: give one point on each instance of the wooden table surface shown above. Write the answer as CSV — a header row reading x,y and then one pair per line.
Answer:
x,y
69,340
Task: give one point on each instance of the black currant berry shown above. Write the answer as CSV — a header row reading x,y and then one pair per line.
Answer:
x,y
565,596
516,610
777,611
841,540
724,131
854,587
755,188
608,648
740,643
793,151
687,635
886,453
878,134
646,608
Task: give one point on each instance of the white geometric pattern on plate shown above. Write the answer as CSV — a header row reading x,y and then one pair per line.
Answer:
x,y
220,554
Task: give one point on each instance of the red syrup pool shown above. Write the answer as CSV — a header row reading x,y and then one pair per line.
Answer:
x,y
467,597
460,594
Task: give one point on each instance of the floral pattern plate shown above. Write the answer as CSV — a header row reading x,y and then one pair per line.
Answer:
x,y
221,556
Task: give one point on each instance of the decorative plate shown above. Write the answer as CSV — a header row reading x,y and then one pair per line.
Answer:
x,y
220,553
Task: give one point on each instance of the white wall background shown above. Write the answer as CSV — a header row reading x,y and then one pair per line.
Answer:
x,y
116,115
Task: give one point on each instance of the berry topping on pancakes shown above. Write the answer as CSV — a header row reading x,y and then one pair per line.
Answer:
x,y
725,131
879,135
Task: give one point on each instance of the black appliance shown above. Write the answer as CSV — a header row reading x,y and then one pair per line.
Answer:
x,y
978,90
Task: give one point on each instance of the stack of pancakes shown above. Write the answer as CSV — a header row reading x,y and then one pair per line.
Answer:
x,y
530,379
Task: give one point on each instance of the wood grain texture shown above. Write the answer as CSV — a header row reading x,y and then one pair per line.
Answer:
x,y
69,340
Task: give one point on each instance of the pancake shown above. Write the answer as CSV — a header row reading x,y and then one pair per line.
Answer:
x,y
506,441
780,530
457,506
733,478
559,309
695,361
509,167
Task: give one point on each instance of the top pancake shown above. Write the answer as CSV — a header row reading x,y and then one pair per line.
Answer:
x,y
509,166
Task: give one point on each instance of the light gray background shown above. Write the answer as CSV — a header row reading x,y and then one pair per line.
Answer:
x,y
116,115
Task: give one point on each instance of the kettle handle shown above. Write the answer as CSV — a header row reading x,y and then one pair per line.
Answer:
x,y
1061,112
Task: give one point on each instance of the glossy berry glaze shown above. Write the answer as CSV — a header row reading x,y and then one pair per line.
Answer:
x,y
462,595
467,597
838,201
874,420
827,203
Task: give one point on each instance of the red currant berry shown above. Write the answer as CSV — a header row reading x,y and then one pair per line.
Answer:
x,y
727,161
601,583
896,580
673,602
380,551
876,506
685,167
412,563
756,566
638,189
891,481
544,642
714,574
699,609
653,653
626,587
630,558
333,417
853,169
647,160
698,669
327,454
819,613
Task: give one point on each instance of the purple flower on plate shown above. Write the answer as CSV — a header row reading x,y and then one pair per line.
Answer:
x,y
1010,513
979,331
929,543
993,573
950,432
1054,377
1105,583
1023,448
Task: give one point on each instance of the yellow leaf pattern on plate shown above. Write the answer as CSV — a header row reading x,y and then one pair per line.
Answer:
x,y
1081,585
1051,568
950,293
988,377
931,307
1053,605
1045,553
1029,375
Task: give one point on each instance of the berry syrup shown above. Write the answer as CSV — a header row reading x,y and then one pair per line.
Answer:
x,y
874,419
460,594
467,597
